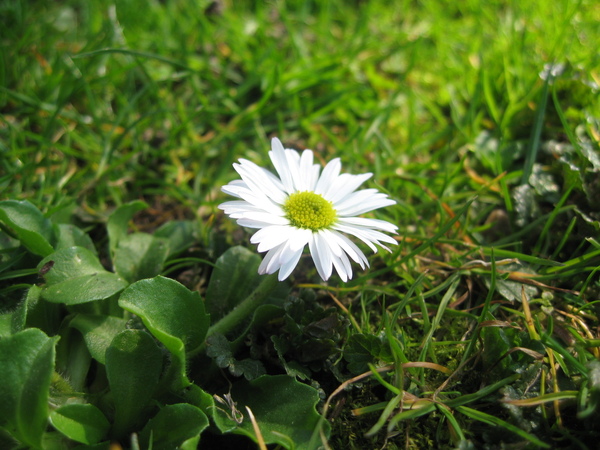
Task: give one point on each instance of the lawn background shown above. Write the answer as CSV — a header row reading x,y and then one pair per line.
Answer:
x,y
493,162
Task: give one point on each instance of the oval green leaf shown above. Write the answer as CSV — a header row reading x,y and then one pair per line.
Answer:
x,y
75,275
284,409
80,422
27,363
98,332
133,366
29,224
172,313
139,256
179,233
118,222
234,276
172,426
168,308
68,235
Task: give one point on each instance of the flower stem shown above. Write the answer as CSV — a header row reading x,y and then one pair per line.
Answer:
x,y
243,310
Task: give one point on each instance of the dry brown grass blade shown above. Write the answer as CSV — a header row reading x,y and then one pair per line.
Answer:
x,y
259,437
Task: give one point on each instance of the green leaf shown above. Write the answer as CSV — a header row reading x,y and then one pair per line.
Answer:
x,y
118,222
292,368
46,316
496,345
98,332
140,255
180,234
589,404
75,275
68,235
190,444
512,290
284,409
172,426
526,205
19,315
195,395
544,184
262,315
29,225
171,312
6,324
73,359
219,348
27,362
363,349
80,422
497,356
234,276
250,368
494,156
167,307
133,366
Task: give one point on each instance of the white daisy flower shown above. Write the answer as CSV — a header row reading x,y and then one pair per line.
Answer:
x,y
306,206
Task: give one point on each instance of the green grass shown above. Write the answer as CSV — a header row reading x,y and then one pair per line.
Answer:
x,y
495,172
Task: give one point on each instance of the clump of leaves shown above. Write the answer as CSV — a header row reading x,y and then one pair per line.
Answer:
x,y
106,353
311,336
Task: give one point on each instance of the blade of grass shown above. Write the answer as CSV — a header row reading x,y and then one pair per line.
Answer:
x,y
426,343
453,403
484,313
541,399
452,421
536,133
495,421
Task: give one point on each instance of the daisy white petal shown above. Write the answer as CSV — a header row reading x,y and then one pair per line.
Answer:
x,y
293,163
361,202
343,267
350,248
347,266
255,178
279,159
321,255
234,187
236,206
265,217
344,185
340,261
304,177
255,223
277,257
288,254
300,238
280,258
368,236
271,236
357,232
370,223
335,247
266,265
328,177
340,269
252,197
287,268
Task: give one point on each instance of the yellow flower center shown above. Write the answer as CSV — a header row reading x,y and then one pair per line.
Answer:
x,y
309,210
